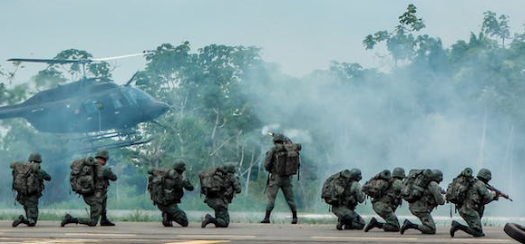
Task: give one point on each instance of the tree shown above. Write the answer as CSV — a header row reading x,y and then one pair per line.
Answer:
x,y
496,26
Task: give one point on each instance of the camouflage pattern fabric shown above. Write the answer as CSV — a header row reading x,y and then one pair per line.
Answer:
x,y
97,201
284,183
174,213
30,203
219,201
345,212
386,206
472,210
422,208
277,182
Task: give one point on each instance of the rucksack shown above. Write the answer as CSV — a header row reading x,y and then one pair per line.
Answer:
x,y
415,184
25,179
378,185
287,160
332,191
211,181
457,190
173,189
156,186
82,176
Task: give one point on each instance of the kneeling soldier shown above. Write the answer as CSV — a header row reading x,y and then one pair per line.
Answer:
x,y
166,188
91,180
219,185
387,201
28,182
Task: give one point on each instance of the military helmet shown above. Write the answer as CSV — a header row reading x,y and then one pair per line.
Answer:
x,y
346,174
279,138
229,168
398,172
355,174
437,175
179,165
485,175
35,157
102,154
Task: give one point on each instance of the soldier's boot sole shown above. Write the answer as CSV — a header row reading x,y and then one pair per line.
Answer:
x,y
372,224
18,221
208,219
406,225
454,228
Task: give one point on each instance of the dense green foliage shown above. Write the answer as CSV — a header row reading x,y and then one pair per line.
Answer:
x,y
223,98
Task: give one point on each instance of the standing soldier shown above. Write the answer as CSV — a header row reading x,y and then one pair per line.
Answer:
x,y
219,185
92,182
473,206
387,202
282,162
28,182
431,198
166,188
343,192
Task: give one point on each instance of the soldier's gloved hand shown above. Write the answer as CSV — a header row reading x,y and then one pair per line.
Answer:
x,y
496,195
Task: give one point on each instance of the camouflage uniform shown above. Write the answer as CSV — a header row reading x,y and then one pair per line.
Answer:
x,y
432,197
30,202
472,209
220,200
276,182
345,211
97,200
386,205
171,212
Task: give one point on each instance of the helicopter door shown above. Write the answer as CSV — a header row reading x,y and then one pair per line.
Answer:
x,y
94,111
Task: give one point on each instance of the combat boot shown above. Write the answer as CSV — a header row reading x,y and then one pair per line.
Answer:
x,y
266,219
208,219
20,220
166,221
408,225
294,217
457,226
340,224
373,224
104,221
68,219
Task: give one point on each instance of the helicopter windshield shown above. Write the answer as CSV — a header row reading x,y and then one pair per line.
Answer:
x,y
135,96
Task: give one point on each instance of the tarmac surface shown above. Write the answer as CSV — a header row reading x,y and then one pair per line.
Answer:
x,y
147,232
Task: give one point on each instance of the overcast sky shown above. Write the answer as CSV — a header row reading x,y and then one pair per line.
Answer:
x,y
301,35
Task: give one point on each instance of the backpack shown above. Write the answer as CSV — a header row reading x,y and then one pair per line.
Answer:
x,y
415,184
211,181
457,190
25,179
156,186
82,176
332,191
378,185
287,160
172,187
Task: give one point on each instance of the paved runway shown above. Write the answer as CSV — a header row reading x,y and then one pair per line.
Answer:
x,y
50,232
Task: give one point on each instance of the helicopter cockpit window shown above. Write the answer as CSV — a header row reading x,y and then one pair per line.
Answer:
x,y
135,95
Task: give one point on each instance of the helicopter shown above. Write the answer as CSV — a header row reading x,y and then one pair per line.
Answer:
x,y
99,109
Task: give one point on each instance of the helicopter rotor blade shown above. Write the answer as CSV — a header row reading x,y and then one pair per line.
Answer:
x,y
50,61
117,57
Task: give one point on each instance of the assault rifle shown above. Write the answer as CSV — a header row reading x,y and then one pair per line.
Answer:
x,y
499,193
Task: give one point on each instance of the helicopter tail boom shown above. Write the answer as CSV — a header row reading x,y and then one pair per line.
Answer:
x,y
9,112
